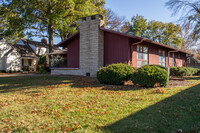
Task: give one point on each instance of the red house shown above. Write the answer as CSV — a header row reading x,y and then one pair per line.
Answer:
x,y
94,47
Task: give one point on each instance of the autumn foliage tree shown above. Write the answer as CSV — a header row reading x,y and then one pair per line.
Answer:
x,y
165,33
12,26
49,18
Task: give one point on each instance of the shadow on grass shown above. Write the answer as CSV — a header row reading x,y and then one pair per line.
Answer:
x,y
181,111
20,83
13,84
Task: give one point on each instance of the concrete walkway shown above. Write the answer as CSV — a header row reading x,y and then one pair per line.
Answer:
x,y
18,75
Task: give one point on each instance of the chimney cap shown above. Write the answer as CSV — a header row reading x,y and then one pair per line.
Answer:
x,y
94,17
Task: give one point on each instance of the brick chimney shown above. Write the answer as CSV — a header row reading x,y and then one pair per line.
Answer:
x,y
44,41
91,44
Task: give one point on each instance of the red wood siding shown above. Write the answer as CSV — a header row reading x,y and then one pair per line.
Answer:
x,y
116,49
73,53
154,57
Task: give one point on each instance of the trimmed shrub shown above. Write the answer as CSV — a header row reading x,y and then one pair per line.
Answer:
x,y
198,73
42,71
194,71
115,74
159,66
150,76
183,71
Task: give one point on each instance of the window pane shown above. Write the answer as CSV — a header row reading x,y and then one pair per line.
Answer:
x,y
139,49
139,63
145,56
145,63
163,64
163,59
160,58
164,53
145,50
160,63
139,55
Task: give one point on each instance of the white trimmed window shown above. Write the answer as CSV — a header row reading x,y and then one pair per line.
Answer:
x,y
142,56
162,58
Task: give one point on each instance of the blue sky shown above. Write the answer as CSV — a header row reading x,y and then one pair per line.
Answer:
x,y
150,9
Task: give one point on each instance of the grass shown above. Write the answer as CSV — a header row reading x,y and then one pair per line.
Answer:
x,y
76,104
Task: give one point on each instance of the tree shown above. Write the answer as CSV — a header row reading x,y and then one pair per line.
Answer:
x,y
113,21
165,33
172,35
48,18
190,11
188,41
53,16
138,26
155,31
69,23
11,24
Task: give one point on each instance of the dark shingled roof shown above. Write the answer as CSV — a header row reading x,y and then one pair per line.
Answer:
x,y
37,44
25,50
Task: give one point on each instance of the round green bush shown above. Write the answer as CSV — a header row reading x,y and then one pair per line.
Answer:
x,y
150,76
115,74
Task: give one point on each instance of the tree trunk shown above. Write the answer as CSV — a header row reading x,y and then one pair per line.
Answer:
x,y
62,37
50,33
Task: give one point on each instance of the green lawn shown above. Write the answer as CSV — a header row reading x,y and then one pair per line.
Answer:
x,y
61,104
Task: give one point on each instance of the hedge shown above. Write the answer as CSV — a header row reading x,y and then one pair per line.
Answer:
x,y
150,76
115,74
183,71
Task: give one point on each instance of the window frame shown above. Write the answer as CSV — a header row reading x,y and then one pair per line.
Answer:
x,y
142,60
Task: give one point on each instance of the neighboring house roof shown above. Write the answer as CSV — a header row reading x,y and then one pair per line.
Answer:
x,y
122,34
61,52
25,50
39,44
35,43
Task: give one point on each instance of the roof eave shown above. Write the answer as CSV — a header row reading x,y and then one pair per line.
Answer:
x,y
71,37
146,40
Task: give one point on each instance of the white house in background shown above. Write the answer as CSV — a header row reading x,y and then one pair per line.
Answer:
x,y
22,55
